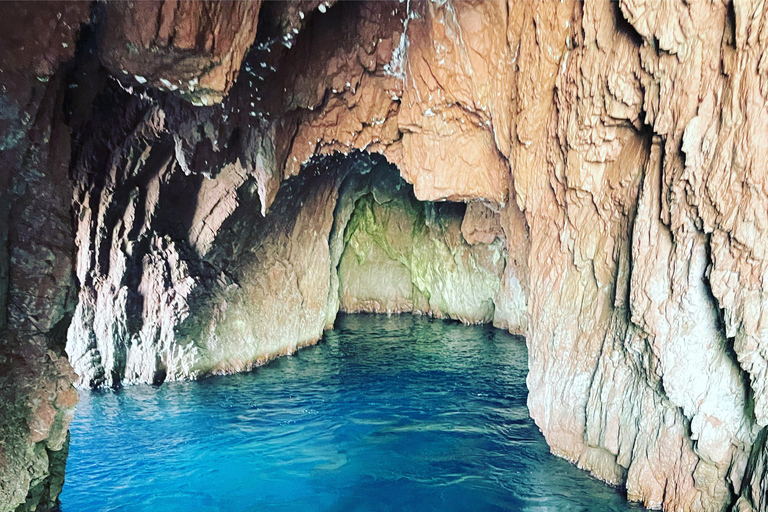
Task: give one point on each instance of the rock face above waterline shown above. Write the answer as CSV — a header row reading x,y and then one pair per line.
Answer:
x,y
37,285
611,157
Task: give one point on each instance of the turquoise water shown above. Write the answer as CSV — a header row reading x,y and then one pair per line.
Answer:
x,y
386,414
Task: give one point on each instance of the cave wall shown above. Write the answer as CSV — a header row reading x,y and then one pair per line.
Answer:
x,y
614,150
37,286
193,259
157,302
402,255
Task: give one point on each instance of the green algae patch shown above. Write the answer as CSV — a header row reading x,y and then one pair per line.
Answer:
x,y
402,255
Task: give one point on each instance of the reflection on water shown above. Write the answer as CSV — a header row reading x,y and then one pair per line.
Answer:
x,y
387,414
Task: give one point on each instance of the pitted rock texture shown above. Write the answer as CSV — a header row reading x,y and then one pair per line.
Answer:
x,y
612,153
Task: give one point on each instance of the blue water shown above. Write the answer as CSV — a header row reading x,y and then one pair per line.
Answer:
x,y
386,414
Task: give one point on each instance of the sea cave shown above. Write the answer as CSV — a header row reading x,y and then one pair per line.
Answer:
x,y
383,255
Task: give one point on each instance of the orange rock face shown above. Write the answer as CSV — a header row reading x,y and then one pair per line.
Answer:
x,y
192,47
615,150
598,137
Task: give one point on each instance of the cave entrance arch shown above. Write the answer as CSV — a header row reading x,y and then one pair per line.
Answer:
x,y
345,235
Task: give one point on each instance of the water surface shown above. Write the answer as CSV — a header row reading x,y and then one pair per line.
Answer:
x,y
386,414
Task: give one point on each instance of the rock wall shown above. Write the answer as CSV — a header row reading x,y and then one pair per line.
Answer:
x,y
610,156
193,259
192,47
37,286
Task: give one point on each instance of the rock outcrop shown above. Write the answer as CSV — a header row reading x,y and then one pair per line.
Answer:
x,y
233,191
194,48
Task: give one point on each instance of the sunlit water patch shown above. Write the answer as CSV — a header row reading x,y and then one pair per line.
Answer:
x,y
386,414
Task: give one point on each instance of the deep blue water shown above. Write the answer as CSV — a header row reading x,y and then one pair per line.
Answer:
x,y
386,414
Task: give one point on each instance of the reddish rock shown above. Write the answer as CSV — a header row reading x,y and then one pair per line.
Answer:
x,y
36,280
194,48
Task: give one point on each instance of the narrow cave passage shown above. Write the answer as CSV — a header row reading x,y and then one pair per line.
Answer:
x,y
405,412
225,288
395,254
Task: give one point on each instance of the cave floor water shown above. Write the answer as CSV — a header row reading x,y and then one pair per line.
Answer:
x,y
386,414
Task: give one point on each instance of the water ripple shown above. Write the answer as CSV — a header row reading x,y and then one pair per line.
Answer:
x,y
387,414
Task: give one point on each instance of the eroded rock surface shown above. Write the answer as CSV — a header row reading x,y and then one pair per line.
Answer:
x,y
194,48
157,304
611,157
37,287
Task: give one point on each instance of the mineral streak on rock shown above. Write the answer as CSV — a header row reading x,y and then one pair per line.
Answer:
x,y
611,157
